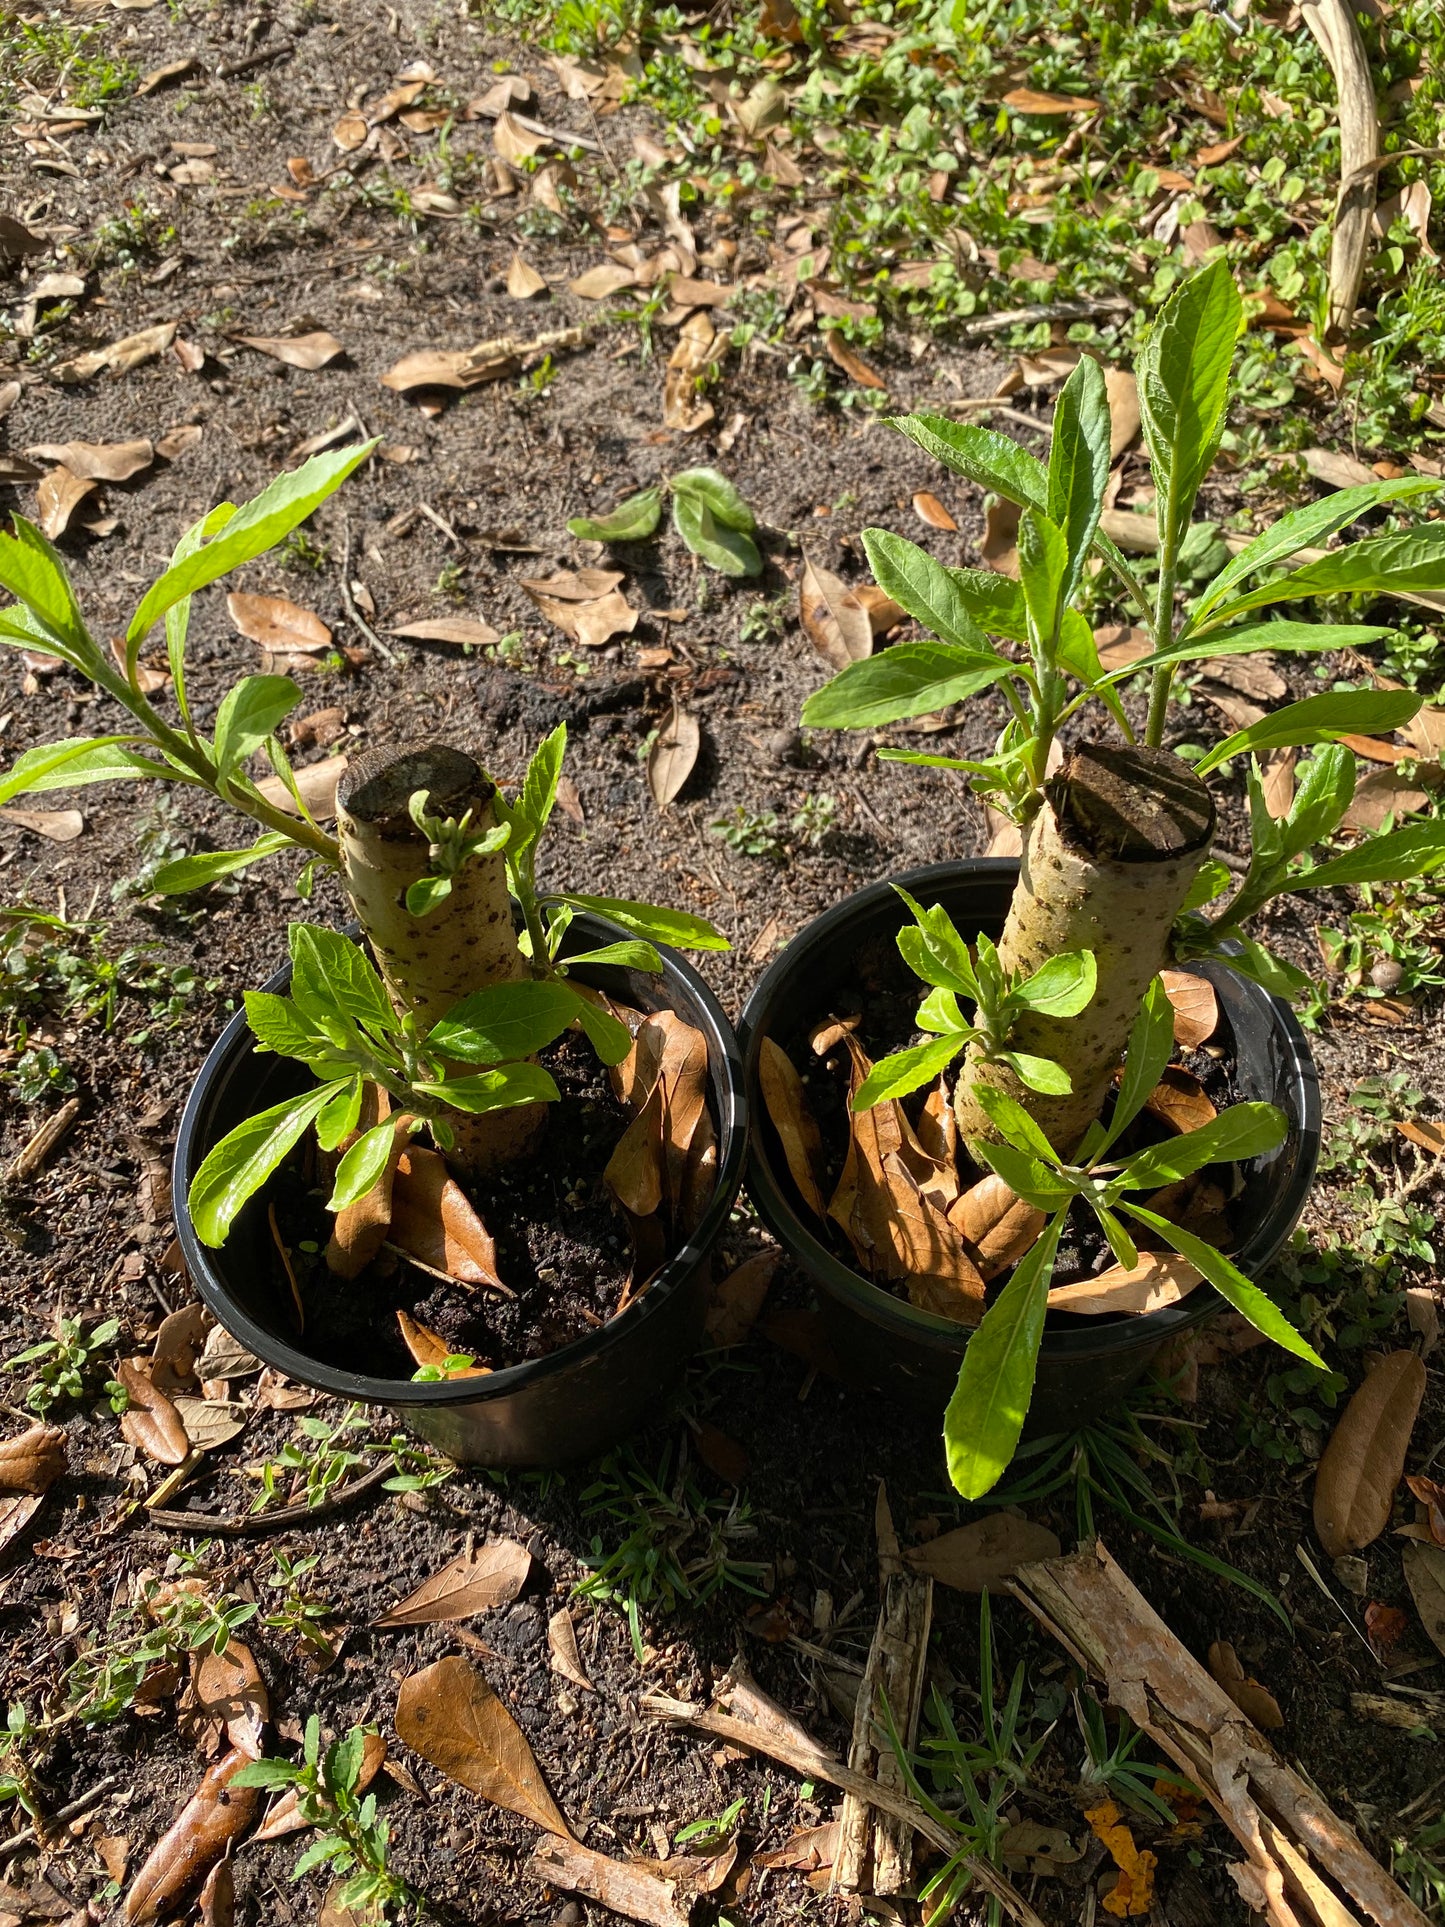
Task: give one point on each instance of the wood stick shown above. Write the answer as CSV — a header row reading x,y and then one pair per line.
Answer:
x,y
1332,22
813,1764
1090,1606
52,1133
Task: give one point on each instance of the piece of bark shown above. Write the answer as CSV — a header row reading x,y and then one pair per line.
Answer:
x,y
1332,22
1291,1839
875,1849
616,1885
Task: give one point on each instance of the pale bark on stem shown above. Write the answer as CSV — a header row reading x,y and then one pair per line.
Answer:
x,y
1107,863
467,943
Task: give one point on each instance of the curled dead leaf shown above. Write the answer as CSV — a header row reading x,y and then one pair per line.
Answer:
x,y
523,280
1256,1702
58,495
983,1553
215,1816
33,1461
297,351
97,461
1160,1278
787,1106
151,1422
472,1583
590,624
928,508
229,1688
999,548
56,826
738,1300
465,631
997,1224
562,1646
433,1219
1180,1101
427,1348
1364,1460
673,756
1196,1008
277,623
853,365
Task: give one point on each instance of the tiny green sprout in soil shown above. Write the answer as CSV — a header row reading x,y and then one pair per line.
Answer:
x,y
67,1366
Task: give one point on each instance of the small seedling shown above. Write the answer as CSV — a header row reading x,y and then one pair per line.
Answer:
x,y
66,1363
707,512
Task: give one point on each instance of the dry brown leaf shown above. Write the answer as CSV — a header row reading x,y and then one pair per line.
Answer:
x,y
738,1300
514,142
277,623
1431,1495
229,1689
216,1906
297,351
1179,1100
883,612
983,1553
211,1422
1425,1576
673,756
97,461
1278,782
466,367
929,509
572,585
317,784
1364,1460
1123,392
941,1276
1384,793
1135,534
17,1509
427,1348
33,1461
809,1850
853,365
182,1335
1256,1702
151,1422
451,1716
787,1105
562,1647
1196,1008
590,624
634,1173
683,406
176,441
999,547
1423,1131
120,356
472,1583
463,630
58,495
1119,644
1336,469
433,1219
1237,710
688,292
351,131
618,1886
1375,750
834,618
59,826
1028,100
997,1224
215,1816
284,1816
608,278
523,280
1253,676
1160,1278
1425,731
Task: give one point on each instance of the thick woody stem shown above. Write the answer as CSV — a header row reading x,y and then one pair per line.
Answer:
x,y
1106,865
467,943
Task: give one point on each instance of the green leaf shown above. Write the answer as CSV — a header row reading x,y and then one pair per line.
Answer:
x,y
728,550
279,1026
496,1090
85,759
265,1773
1043,567
1079,464
35,574
249,713
1397,857
933,949
709,485
609,1036
178,616
982,454
995,602
677,927
907,1070
1014,1124
1231,1284
1306,527
195,872
1409,563
1062,987
1183,375
923,587
631,521
1252,960
539,787
1038,1073
996,1383
505,1021
1211,880
922,759
344,1760
1125,1251
1293,636
1243,1131
1318,719
939,1012
1324,787
339,1118
1151,1045
362,1165
910,679
280,507
631,954
427,894
331,973
243,1160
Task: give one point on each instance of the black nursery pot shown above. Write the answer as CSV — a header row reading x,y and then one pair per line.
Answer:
x,y
1086,1364
578,1400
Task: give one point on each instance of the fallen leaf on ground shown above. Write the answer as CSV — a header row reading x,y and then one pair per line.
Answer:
x,y
834,620
151,1422
562,1647
998,1225
1364,1461
809,1850
738,1300
1160,1278
1424,1131
58,495
1375,750
1385,1626
229,1689
182,1335
1256,1702
608,278
590,624
211,1422
433,1219
213,1818
59,826
1278,782
853,365
523,280
1119,644
491,1575
216,1906
720,1453
672,757
1336,469
1123,392
684,408
572,585
451,1716
883,612
277,623
297,351
941,1276
1383,793
1251,675
983,1553
317,784
1028,100
1425,1576
462,630
33,1461
787,1105
928,508
97,461
1180,1101
466,367
120,356
999,547
1196,1008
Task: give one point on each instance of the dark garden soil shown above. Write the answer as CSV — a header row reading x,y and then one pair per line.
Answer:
x,y
482,499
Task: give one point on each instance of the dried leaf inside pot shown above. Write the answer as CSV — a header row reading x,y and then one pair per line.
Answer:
x,y
429,1348
787,1106
433,1219
996,1224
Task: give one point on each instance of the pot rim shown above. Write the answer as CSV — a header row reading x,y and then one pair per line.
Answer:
x,y
1067,1344
725,1066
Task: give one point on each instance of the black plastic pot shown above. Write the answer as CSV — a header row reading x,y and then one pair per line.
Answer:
x,y
579,1399
1086,1364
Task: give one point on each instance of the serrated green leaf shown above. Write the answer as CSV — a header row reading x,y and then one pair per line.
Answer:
x,y
1397,857
933,949
995,602
1318,719
1038,1073
1151,1045
1062,987
907,1070
724,503
982,454
924,588
339,1118
1043,568
362,1166
1078,467
1294,637
505,1021
631,954
279,1026
330,973
1243,1131
86,759
1324,788
1183,378
1231,1284
427,894
609,1036
249,713
1014,1125
497,1090
34,572
676,927
1409,563
728,550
